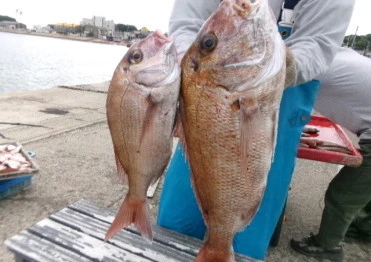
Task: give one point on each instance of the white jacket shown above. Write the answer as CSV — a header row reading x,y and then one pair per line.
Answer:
x,y
319,29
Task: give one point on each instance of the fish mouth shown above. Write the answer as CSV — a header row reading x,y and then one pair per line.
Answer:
x,y
244,8
252,13
169,68
169,61
160,35
167,42
162,39
165,72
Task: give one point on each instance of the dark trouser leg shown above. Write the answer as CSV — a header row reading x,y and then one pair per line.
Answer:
x,y
362,221
348,193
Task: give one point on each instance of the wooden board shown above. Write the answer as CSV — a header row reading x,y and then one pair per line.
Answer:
x,y
76,233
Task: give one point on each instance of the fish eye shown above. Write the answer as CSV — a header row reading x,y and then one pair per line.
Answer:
x,y
136,56
208,42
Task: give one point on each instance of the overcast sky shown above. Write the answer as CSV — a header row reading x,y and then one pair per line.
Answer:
x,y
150,13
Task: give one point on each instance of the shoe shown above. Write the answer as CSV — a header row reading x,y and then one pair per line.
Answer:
x,y
353,233
309,247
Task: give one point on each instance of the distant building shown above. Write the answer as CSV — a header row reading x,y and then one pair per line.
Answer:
x,y
65,28
66,25
142,33
42,29
12,25
86,21
144,30
101,22
125,35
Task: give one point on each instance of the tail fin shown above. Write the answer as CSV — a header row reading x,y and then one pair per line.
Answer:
x,y
209,254
131,211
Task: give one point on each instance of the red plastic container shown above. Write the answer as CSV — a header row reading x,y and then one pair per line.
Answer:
x,y
331,132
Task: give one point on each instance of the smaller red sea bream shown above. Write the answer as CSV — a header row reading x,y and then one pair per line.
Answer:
x,y
141,107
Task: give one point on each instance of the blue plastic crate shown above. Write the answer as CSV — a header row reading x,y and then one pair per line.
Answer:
x,y
12,186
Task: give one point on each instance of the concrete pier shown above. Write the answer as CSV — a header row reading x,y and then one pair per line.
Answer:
x,y
66,127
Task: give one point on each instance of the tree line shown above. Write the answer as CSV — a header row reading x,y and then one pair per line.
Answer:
x,y
358,42
7,18
125,28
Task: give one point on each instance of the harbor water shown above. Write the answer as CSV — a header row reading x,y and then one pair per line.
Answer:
x,y
30,62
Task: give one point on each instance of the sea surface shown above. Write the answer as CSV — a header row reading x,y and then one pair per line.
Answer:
x,y
30,62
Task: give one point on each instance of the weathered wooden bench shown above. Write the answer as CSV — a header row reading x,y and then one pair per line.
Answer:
x,y
76,234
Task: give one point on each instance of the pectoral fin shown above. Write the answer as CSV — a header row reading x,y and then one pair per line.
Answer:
x,y
256,130
251,122
153,104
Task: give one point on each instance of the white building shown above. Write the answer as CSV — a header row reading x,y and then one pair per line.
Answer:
x,y
42,29
99,21
86,21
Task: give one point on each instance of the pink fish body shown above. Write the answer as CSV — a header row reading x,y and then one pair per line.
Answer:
x,y
233,77
141,106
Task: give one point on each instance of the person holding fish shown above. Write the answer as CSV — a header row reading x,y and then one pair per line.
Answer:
x,y
216,73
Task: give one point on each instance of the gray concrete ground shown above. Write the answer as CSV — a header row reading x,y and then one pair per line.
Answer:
x,y
75,157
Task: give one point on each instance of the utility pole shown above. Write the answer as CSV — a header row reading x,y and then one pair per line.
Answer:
x,y
354,39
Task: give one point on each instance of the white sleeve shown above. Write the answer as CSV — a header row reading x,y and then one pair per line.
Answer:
x,y
186,19
319,29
